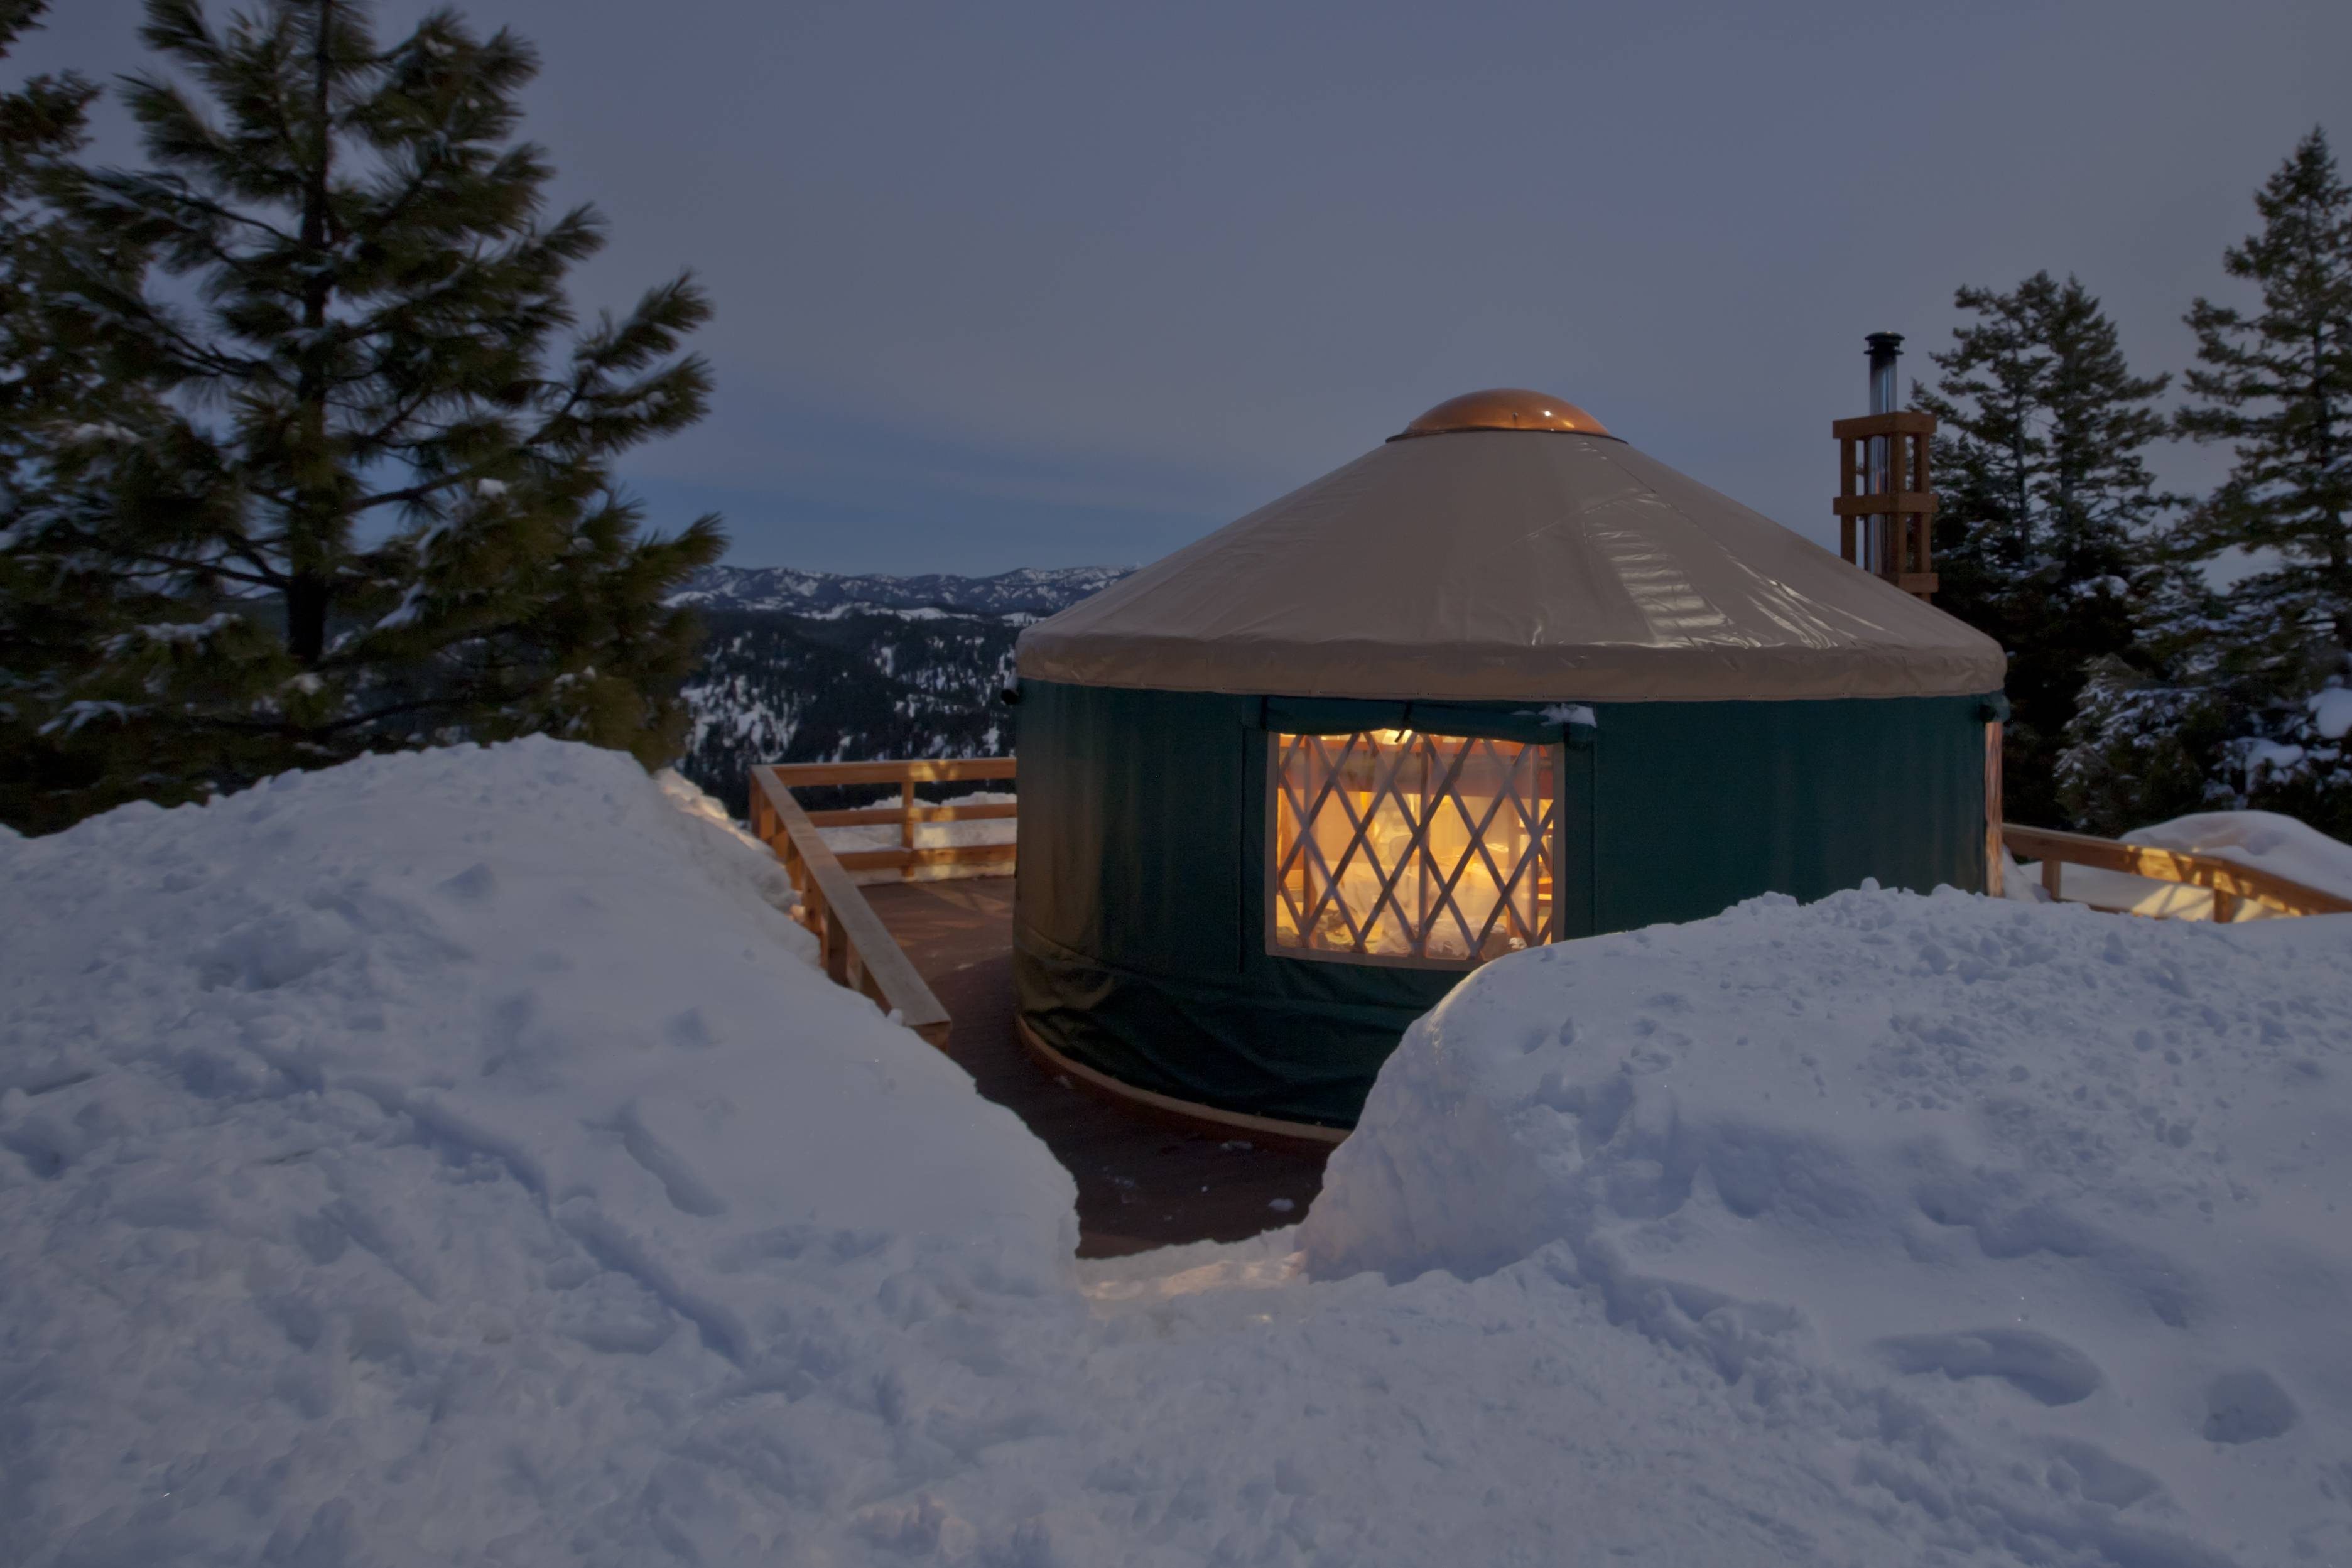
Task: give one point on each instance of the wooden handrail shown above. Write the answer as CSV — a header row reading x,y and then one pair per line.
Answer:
x,y
921,813
2228,880
857,948
927,770
907,813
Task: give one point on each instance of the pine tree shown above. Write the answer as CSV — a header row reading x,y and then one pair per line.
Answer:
x,y
2044,491
41,123
374,515
2276,385
1986,457
2151,720
54,609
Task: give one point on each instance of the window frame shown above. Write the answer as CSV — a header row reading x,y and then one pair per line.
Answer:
x,y
1553,821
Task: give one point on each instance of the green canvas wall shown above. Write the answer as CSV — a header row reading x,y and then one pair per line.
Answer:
x,y
1138,928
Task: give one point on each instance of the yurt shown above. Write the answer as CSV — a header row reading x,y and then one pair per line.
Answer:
x,y
1502,681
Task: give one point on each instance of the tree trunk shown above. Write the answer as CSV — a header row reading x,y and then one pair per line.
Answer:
x,y
2324,455
2020,524
311,527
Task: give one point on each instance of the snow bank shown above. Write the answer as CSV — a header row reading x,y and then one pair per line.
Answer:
x,y
2035,1215
455,1156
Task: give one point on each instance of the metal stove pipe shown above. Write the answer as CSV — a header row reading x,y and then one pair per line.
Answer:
x,y
1885,348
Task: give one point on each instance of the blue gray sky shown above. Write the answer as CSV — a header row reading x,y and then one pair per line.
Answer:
x,y
1040,284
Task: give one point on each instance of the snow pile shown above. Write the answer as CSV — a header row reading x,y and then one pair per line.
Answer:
x,y
456,1156
2036,1217
2331,711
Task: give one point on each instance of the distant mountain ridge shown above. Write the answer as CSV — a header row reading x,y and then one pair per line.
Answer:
x,y
815,666
1030,591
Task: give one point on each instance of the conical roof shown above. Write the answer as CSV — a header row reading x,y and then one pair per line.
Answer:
x,y
1535,561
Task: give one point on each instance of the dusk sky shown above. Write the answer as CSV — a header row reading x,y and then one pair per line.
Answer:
x,y
1040,285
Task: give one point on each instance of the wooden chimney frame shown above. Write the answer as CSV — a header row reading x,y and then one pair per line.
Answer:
x,y
1891,528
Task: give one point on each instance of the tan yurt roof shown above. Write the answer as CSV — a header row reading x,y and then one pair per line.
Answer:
x,y
1505,546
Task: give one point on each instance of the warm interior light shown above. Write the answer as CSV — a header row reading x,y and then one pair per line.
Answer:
x,y
1392,844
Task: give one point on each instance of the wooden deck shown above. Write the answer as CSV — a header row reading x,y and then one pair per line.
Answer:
x,y
1141,1184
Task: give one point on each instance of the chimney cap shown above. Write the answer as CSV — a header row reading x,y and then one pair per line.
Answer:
x,y
1888,343
1504,408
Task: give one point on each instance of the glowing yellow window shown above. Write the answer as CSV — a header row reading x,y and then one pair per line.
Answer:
x,y
1392,845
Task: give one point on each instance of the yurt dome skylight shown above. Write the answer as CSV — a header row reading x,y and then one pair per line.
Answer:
x,y
1504,408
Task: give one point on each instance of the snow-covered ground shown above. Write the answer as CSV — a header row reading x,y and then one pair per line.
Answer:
x,y
2033,1218
456,1158
2262,839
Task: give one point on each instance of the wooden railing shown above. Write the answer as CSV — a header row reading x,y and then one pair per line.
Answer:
x,y
907,813
2229,880
859,949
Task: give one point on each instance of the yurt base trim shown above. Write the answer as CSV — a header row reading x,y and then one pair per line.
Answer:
x,y
1271,1131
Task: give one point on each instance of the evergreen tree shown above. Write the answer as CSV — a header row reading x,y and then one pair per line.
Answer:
x,y
2044,490
41,124
1987,455
373,515
2276,385
2150,721
54,609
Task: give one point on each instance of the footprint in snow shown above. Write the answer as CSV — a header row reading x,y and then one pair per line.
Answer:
x,y
2045,1369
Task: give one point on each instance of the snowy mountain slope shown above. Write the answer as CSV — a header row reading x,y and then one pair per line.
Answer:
x,y
809,666
1035,590
456,1158
777,687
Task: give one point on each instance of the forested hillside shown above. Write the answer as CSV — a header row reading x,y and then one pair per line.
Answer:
x,y
860,667
1033,589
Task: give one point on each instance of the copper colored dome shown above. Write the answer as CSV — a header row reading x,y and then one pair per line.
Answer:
x,y
1504,408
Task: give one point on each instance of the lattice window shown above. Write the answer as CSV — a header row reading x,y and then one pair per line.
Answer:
x,y
1392,845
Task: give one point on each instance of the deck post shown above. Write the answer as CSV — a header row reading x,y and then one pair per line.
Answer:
x,y
836,948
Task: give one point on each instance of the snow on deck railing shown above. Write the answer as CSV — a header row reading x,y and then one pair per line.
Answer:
x,y
858,950
908,813
2229,880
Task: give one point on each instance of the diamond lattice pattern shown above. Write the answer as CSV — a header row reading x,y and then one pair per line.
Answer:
x,y
1394,843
